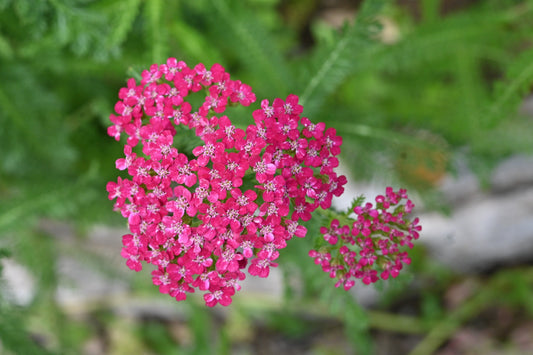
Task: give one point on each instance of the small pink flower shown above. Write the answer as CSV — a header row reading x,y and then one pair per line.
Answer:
x,y
222,296
379,236
261,267
272,188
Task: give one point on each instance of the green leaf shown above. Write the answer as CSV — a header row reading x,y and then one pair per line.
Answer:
x,y
126,12
331,64
510,91
439,40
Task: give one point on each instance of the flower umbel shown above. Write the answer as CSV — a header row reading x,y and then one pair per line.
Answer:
x,y
372,247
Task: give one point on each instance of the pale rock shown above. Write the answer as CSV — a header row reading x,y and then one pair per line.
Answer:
x,y
482,233
80,284
18,284
459,190
513,173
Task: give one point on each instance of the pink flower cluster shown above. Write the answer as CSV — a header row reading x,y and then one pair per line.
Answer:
x,y
202,217
371,248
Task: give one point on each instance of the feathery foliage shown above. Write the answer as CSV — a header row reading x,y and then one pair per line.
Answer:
x,y
333,62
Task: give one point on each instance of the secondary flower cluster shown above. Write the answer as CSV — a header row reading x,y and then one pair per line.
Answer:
x,y
370,248
202,217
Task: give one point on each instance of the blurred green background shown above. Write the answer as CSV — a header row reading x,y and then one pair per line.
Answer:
x,y
408,84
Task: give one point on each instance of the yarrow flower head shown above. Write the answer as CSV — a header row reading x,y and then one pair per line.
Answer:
x,y
372,247
202,217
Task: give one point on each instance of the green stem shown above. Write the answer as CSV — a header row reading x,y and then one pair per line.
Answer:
x,y
396,323
448,326
483,296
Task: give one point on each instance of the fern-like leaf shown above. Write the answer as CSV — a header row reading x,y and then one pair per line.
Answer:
x,y
330,65
435,41
126,12
510,92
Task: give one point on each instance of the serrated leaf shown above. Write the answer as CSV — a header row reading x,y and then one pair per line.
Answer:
x,y
126,12
510,91
330,65
434,41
